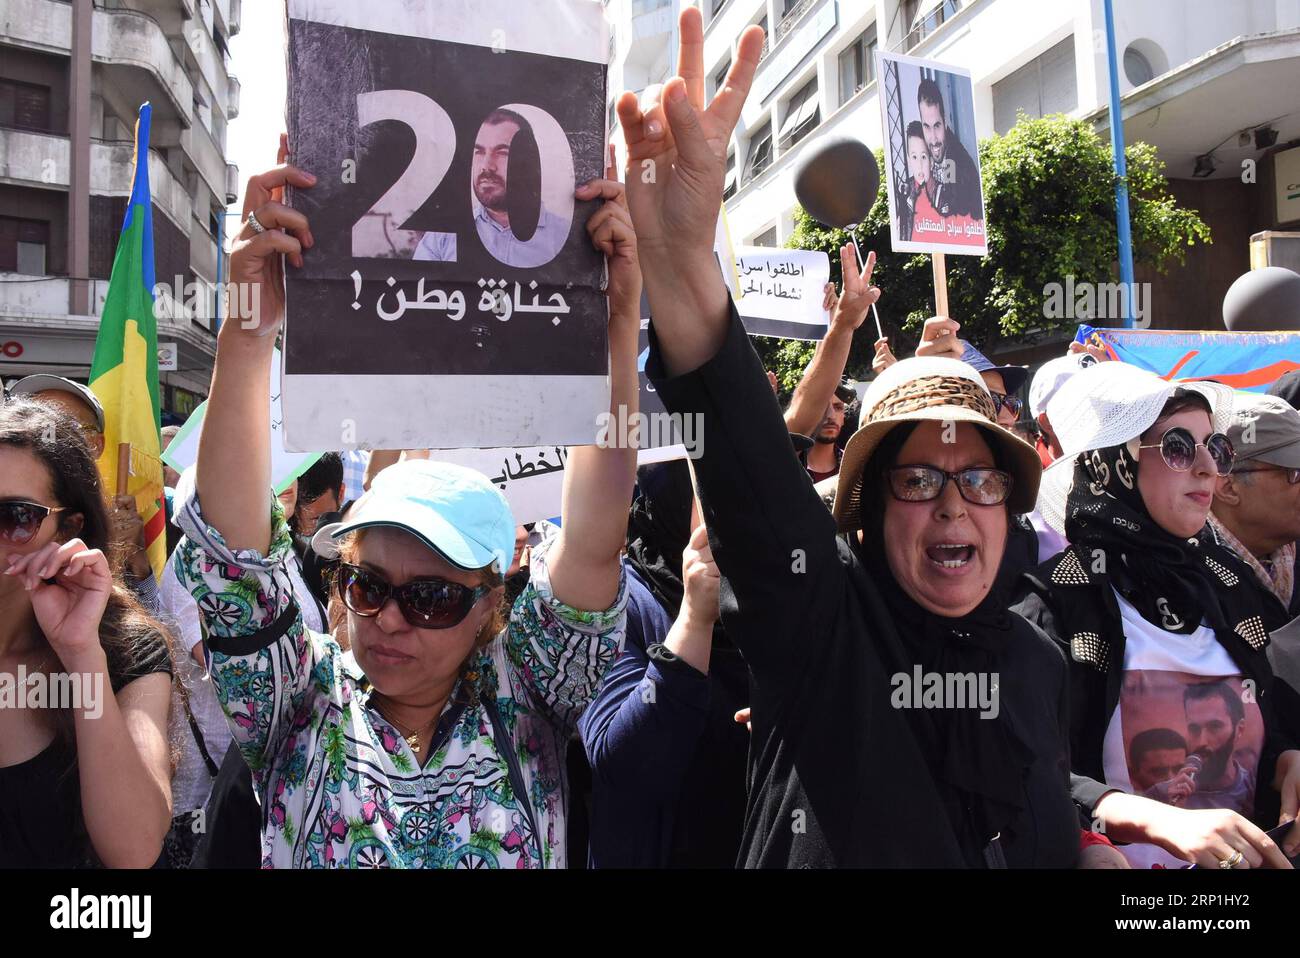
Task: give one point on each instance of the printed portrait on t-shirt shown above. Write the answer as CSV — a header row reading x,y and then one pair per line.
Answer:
x,y
1191,740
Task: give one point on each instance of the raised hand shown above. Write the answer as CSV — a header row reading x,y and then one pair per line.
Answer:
x,y
677,147
611,232
939,338
257,259
858,295
884,356
69,585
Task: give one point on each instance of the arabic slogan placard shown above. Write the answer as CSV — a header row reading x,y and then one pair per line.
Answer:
x,y
781,291
532,478
453,297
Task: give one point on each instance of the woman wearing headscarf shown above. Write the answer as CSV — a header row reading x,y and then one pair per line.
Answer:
x,y
870,659
1175,739
437,739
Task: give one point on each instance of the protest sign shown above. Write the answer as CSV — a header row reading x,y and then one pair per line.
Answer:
x,y
453,297
781,292
936,201
531,479
183,451
1249,361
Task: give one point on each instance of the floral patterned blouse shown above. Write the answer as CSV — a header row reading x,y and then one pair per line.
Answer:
x,y
339,786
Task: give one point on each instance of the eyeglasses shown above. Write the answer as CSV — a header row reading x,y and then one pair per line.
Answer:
x,y
425,603
1012,403
1292,475
20,521
978,486
1178,450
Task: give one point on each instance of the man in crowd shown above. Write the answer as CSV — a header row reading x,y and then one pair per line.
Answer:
x,y
954,170
1257,506
822,398
320,492
488,174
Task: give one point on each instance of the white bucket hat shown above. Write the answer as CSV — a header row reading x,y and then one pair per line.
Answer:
x,y
1107,405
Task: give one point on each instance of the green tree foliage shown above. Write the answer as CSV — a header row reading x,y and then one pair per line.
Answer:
x,y
1050,213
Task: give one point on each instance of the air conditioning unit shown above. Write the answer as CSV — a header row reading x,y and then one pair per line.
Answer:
x,y
236,15
232,183
232,97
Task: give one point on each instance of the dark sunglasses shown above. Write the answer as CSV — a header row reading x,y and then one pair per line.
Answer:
x,y
979,486
425,603
1003,401
1178,450
20,521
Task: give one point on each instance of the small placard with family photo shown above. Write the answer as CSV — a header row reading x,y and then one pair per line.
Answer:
x,y
932,165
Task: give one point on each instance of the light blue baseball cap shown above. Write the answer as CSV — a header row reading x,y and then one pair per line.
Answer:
x,y
453,510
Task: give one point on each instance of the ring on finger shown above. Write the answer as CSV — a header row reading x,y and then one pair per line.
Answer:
x,y
253,222
1234,861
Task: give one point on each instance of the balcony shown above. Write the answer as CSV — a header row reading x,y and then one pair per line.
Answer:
x,y
792,18
138,60
232,98
43,302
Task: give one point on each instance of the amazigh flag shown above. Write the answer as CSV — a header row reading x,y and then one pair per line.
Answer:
x,y
124,372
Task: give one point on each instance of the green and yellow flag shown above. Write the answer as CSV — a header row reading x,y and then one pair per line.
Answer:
x,y
124,372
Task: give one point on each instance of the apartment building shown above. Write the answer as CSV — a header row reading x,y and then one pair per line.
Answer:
x,y
72,77
1211,85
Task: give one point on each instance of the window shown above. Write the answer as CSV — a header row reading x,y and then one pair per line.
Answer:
x,y
24,105
1137,67
22,245
858,64
1046,84
802,115
767,41
760,151
926,16
720,77
766,238
729,181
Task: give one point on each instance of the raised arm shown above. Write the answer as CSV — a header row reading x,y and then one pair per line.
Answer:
x,y
598,482
234,467
771,536
823,374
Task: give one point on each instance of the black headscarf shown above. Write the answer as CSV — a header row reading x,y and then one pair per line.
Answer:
x,y
1171,581
981,761
659,529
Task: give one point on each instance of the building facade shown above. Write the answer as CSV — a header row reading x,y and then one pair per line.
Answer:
x,y
1211,85
72,78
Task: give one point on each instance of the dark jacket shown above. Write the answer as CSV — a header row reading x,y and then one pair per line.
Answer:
x,y
961,195
837,777
1097,672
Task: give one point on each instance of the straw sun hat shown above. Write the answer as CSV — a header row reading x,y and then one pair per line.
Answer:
x,y
925,389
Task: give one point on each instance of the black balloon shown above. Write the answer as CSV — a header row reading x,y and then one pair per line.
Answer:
x,y
837,181
1262,300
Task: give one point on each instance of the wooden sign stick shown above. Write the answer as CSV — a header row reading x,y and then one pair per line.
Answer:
x,y
123,467
940,284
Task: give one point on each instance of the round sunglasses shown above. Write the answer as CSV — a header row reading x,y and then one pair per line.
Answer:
x,y
979,486
1178,450
425,603
21,520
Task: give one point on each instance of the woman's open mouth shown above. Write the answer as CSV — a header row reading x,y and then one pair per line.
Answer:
x,y
950,555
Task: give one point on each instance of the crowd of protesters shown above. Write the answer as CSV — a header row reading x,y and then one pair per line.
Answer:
x,y
749,660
